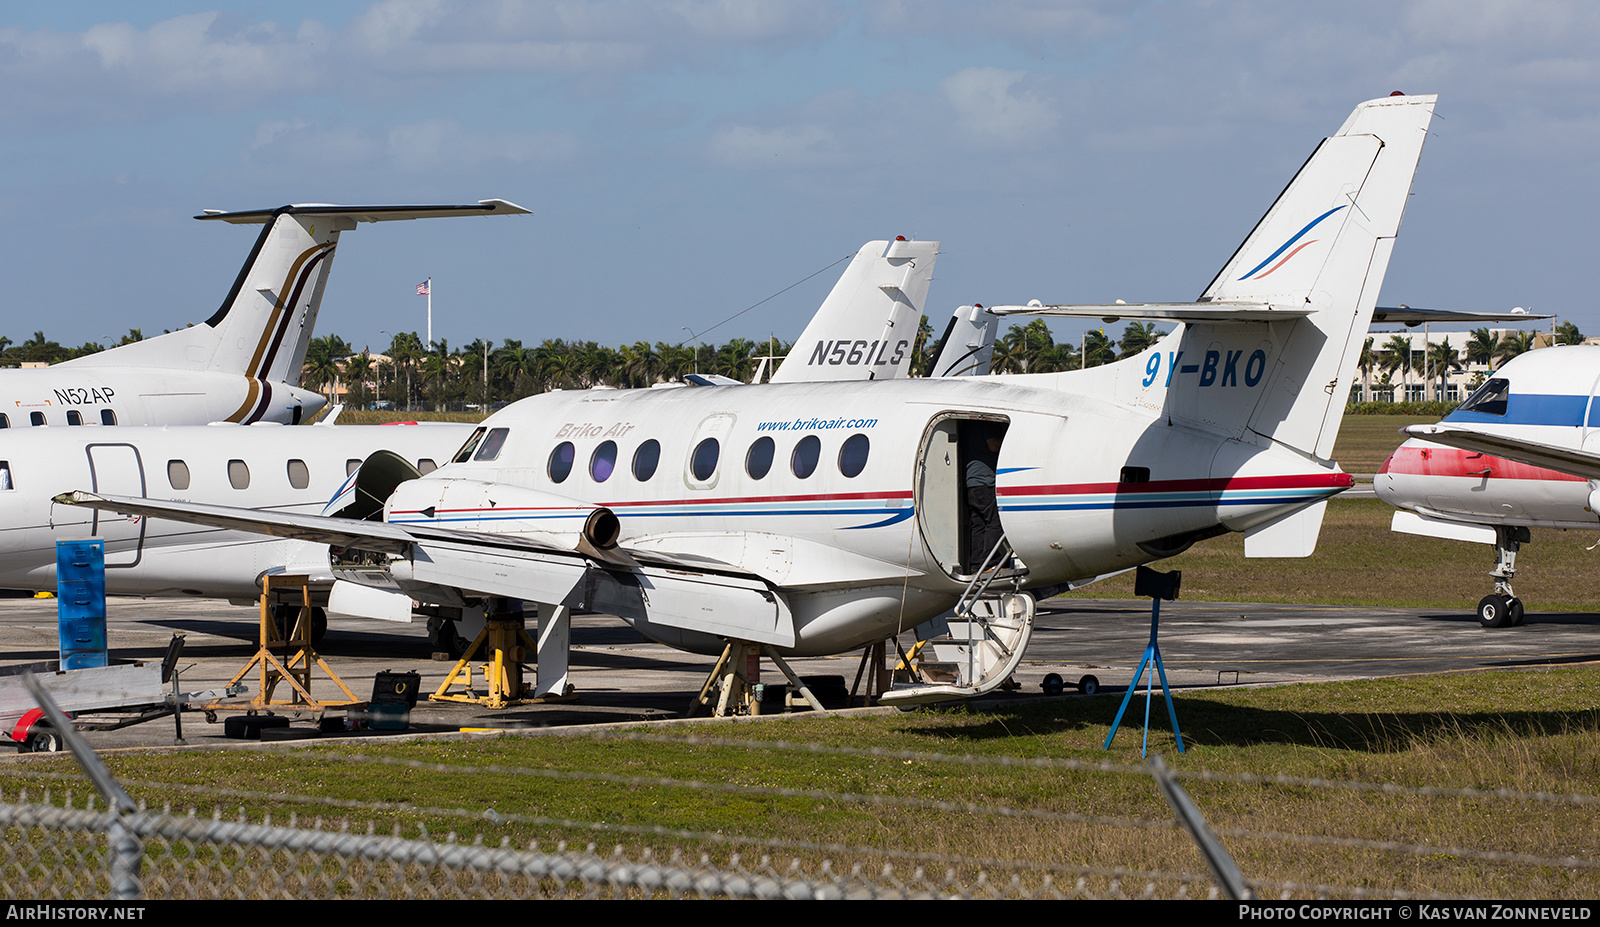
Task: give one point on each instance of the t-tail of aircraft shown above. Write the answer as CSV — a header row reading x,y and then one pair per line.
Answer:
x,y
1267,354
264,325
1324,246
867,327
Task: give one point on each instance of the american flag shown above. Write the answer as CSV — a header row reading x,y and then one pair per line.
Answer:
x,y
422,288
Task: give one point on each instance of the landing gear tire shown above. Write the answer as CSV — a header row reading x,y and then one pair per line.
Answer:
x,y
1495,611
446,640
1516,613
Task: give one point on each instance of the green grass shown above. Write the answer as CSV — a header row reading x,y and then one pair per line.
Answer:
x,y
1366,441
775,788
1359,561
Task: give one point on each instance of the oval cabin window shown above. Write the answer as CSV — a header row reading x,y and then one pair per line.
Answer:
x,y
561,462
806,454
758,462
646,459
853,455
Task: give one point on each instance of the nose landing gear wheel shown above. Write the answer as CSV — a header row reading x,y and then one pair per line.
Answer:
x,y
1498,611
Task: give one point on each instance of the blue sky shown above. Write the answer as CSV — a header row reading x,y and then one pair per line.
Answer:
x,y
687,159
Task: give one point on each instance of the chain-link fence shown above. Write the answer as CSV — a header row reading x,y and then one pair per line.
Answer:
x,y
74,846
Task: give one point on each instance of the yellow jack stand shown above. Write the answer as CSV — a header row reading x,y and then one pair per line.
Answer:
x,y
297,670
738,694
502,675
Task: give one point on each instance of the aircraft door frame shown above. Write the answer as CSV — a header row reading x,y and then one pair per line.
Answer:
x,y
939,487
109,469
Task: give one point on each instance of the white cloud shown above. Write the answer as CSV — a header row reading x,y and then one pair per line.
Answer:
x,y
781,147
989,109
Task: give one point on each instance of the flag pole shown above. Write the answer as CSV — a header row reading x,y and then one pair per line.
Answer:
x,y
430,313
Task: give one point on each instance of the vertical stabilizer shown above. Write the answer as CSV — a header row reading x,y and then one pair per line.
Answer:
x,y
1323,246
967,348
867,327
264,325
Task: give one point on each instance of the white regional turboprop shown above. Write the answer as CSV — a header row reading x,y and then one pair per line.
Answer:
x,y
267,469
1522,451
813,518
240,365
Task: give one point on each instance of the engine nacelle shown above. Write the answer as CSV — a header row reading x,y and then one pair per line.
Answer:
x,y
500,508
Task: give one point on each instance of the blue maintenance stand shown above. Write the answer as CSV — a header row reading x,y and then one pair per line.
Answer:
x,y
81,603
1157,586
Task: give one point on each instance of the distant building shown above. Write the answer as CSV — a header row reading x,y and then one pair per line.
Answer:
x,y
1423,381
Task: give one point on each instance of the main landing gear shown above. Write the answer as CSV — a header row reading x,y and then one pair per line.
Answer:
x,y
1502,608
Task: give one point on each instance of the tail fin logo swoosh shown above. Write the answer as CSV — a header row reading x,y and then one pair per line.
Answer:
x,y
1252,274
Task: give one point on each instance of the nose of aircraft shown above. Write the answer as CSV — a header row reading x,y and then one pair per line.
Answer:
x,y
1409,460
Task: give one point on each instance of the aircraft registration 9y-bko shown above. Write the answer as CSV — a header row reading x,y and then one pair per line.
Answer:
x,y
240,365
814,518
1522,451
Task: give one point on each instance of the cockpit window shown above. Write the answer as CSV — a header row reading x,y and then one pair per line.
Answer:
x,y
492,442
1490,398
465,454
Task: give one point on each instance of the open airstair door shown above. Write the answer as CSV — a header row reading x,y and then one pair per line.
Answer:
x,y
981,650
944,518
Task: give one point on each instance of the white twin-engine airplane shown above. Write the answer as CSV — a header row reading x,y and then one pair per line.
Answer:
x,y
264,468
1522,451
241,364
814,518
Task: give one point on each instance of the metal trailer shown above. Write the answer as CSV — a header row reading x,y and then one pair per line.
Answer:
x,y
136,691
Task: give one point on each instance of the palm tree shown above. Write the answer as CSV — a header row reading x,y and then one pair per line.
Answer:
x,y
1441,359
1098,349
1136,336
358,374
1481,346
1365,361
1397,356
404,350
321,368
1567,333
1513,344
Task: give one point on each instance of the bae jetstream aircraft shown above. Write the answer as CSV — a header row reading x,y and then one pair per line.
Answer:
x,y
863,330
1522,451
240,365
814,518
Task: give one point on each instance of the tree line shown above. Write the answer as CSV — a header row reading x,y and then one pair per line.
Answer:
x,y
1482,347
408,373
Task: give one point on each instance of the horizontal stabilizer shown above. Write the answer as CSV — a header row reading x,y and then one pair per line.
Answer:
x,y
369,213
1293,535
1165,312
1423,526
1405,315
1534,453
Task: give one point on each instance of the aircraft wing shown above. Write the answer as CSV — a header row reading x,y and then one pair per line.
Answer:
x,y
674,590
1165,312
1550,456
